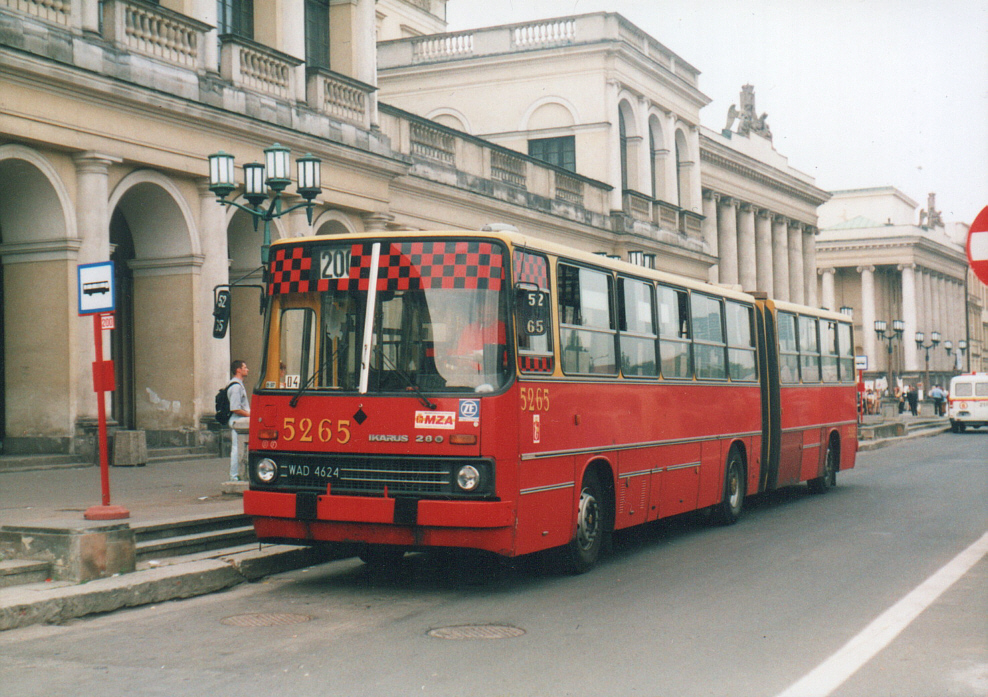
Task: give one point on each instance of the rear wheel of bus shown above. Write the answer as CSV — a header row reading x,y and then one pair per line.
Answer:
x,y
583,551
729,509
830,465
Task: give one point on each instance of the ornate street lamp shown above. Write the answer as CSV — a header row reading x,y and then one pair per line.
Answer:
x,y
934,342
274,174
881,328
961,350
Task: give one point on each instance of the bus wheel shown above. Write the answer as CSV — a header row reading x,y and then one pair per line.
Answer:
x,y
582,552
829,478
728,511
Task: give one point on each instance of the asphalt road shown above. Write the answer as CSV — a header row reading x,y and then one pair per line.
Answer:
x,y
680,608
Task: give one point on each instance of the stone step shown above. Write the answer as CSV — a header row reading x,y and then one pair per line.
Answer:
x,y
29,463
193,543
179,527
18,572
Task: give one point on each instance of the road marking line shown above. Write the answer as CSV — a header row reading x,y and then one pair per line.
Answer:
x,y
832,673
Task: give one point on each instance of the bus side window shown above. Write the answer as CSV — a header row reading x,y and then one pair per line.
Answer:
x,y
846,348
636,320
587,329
674,332
788,349
829,350
809,349
708,337
740,342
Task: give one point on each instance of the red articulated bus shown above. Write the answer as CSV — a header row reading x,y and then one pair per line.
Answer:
x,y
491,391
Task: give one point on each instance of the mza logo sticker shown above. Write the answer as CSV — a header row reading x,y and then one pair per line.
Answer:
x,y
435,419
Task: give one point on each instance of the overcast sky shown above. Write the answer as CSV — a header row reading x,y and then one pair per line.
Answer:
x,y
859,93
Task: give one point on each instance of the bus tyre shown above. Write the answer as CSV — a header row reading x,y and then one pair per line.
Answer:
x,y
829,478
581,554
729,510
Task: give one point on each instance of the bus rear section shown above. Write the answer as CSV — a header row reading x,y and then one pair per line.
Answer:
x,y
967,401
810,395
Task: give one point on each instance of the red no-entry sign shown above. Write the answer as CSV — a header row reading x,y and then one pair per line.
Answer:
x,y
977,245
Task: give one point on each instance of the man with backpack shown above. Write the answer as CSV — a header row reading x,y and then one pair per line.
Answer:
x,y
237,407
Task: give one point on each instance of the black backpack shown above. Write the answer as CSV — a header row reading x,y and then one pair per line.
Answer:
x,y
223,412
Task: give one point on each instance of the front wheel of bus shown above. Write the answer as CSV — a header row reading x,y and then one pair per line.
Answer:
x,y
729,510
584,549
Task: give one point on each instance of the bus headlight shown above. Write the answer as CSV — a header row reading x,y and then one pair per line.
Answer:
x,y
468,478
266,470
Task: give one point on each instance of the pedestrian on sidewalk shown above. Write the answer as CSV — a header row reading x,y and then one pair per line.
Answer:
x,y
938,396
913,399
240,411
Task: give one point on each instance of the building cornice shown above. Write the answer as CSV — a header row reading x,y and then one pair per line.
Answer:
x,y
747,167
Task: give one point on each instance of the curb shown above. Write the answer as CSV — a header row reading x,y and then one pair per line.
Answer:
x,y
866,445
41,603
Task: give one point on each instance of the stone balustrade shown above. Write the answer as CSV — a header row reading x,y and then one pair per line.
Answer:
x,y
154,31
340,96
56,11
259,68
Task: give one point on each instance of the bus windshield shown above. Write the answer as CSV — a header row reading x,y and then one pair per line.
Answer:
x,y
438,320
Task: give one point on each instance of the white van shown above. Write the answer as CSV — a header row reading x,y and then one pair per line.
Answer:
x,y
967,404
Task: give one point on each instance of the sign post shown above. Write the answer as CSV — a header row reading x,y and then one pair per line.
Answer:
x,y
97,298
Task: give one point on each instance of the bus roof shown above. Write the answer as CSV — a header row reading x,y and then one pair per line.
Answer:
x,y
520,240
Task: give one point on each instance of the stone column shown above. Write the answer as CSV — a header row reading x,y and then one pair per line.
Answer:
x,y
809,266
868,315
829,300
214,364
943,313
909,316
727,240
796,262
763,252
926,319
93,221
614,145
747,270
780,257
374,222
709,229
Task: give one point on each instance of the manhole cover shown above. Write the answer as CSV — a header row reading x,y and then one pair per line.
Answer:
x,y
476,631
264,619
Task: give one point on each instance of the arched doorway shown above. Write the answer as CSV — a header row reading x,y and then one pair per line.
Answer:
x,y
154,343
122,254
37,374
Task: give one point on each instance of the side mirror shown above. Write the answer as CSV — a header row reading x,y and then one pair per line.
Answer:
x,y
532,311
221,313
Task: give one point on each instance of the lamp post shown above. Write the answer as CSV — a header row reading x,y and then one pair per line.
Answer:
x,y
881,328
934,342
276,167
961,350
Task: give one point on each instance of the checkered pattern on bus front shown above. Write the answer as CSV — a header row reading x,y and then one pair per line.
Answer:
x,y
471,265
531,268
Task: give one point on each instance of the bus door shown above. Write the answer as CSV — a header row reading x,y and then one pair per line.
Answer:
x,y
768,359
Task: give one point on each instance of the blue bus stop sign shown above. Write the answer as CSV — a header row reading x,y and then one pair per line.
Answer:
x,y
97,292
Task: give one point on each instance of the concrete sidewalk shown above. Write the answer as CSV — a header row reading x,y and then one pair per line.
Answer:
x,y
158,492
167,491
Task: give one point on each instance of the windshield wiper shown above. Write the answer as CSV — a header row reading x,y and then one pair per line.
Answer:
x,y
293,402
412,385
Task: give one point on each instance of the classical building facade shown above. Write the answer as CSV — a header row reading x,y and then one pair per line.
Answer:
x,y
887,261
612,103
110,109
